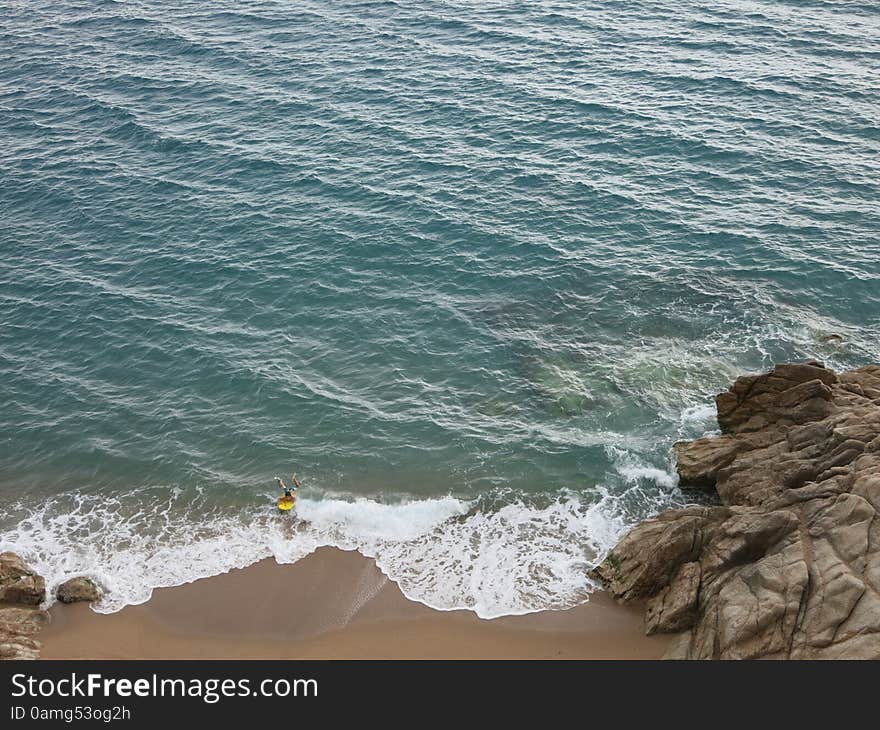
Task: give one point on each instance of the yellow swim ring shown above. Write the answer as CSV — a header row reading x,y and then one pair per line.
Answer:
x,y
285,504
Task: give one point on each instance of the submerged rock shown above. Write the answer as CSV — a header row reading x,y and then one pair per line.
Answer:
x,y
789,565
78,589
18,583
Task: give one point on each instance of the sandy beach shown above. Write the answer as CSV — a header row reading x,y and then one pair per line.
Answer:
x,y
334,605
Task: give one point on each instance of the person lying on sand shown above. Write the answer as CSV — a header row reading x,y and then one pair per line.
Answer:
x,y
288,491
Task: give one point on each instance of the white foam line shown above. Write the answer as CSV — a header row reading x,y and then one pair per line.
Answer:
x,y
443,552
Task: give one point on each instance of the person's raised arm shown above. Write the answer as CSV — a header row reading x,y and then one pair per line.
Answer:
x,y
295,480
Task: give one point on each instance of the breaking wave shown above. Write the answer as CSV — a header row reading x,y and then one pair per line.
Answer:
x,y
448,553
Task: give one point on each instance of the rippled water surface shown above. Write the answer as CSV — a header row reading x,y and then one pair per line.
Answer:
x,y
469,267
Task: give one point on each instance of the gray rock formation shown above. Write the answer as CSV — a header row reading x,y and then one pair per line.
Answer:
x,y
789,565
21,589
78,589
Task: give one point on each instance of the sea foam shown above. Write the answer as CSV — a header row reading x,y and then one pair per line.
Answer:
x,y
445,552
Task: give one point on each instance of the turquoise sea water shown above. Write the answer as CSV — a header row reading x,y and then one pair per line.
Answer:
x,y
470,268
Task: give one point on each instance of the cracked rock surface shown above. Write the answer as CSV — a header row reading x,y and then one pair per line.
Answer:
x,y
789,565
21,592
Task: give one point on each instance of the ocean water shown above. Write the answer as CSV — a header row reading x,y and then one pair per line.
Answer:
x,y
469,267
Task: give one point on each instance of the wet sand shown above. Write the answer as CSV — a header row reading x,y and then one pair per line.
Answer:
x,y
334,605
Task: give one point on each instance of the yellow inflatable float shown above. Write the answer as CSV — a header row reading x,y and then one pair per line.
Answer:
x,y
285,504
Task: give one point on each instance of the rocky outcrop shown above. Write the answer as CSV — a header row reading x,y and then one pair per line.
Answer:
x,y
21,589
788,566
78,589
18,583
17,628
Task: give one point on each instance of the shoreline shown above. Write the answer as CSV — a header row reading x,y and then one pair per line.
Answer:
x,y
334,604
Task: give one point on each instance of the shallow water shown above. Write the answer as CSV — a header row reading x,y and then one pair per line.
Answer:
x,y
469,268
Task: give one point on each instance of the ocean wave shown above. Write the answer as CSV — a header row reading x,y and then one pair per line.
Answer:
x,y
445,552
